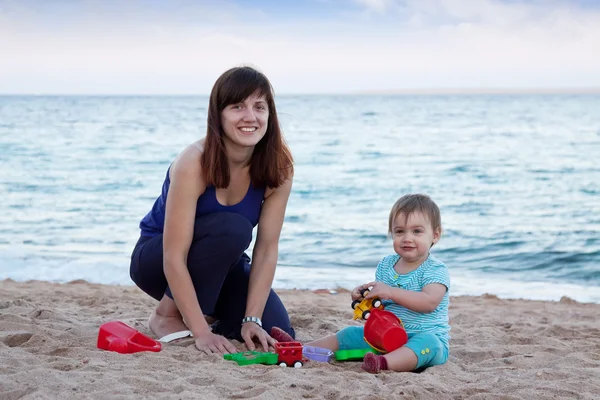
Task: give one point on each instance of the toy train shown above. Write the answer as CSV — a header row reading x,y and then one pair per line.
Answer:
x,y
287,354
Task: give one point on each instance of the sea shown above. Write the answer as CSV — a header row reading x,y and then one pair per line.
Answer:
x,y
517,179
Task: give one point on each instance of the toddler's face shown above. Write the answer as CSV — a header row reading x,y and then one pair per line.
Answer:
x,y
413,237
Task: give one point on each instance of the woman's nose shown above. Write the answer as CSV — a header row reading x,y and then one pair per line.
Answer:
x,y
249,115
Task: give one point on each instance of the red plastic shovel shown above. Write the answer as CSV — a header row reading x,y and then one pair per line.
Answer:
x,y
120,337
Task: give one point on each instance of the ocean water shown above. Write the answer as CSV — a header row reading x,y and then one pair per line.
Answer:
x,y
517,179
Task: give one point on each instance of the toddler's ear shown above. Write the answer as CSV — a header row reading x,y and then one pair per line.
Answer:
x,y
436,235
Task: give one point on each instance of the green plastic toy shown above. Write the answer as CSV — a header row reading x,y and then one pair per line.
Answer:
x,y
351,355
252,357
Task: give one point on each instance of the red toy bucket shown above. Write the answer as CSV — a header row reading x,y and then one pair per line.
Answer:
x,y
119,337
384,331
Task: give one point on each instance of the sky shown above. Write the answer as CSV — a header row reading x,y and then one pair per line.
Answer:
x,y
303,46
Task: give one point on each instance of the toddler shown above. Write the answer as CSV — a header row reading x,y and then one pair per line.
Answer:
x,y
413,285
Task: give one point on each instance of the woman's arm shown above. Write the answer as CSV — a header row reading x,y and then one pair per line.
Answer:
x,y
266,249
185,188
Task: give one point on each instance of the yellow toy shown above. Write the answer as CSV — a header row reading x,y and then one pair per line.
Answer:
x,y
362,308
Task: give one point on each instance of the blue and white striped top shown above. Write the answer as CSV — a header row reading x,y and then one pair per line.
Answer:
x,y
431,271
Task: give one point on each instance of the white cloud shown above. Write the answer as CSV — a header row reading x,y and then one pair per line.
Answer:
x,y
379,6
409,44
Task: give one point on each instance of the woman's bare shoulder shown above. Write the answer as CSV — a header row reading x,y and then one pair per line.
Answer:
x,y
289,177
188,163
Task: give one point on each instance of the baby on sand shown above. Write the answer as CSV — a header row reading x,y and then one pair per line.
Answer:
x,y
413,285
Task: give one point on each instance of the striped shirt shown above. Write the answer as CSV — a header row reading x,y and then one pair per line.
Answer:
x,y
431,271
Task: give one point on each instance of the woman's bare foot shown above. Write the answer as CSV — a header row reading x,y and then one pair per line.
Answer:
x,y
166,318
162,325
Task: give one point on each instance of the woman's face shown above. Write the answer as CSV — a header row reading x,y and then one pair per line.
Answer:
x,y
245,123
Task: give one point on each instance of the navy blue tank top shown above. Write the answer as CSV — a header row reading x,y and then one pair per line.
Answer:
x,y
250,206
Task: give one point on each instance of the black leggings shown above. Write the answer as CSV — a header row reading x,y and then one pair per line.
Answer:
x,y
220,272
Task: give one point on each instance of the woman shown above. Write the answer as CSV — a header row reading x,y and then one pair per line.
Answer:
x,y
190,255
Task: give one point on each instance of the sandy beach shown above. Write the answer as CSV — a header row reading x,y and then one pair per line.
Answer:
x,y
500,349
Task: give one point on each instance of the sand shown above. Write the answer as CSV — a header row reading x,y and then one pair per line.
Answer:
x,y
500,349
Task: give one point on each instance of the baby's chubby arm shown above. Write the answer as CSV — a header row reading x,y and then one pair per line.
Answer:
x,y
424,302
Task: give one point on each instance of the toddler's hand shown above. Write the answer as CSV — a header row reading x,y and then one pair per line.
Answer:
x,y
356,293
379,289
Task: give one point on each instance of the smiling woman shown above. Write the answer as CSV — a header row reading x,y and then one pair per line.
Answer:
x,y
246,120
191,252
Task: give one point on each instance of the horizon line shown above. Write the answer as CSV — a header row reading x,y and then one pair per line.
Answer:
x,y
377,92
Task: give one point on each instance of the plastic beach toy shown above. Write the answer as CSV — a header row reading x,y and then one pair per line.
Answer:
x,y
384,331
290,354
252,357
287,354
317,353
120,337
352,355
362,308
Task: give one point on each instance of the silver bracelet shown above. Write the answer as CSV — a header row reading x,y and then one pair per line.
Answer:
x,y
256,320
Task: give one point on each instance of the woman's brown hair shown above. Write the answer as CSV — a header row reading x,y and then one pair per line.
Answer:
x,y
272,161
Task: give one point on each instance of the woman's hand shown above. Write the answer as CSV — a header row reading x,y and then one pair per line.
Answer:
x,y
250,330
378,289
210,343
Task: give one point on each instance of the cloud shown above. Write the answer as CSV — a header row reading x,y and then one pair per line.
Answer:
x,y
182,46
379,6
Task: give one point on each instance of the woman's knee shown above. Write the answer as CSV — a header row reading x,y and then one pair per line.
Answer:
x,y
145,269
229,228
